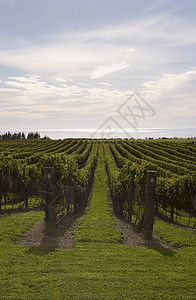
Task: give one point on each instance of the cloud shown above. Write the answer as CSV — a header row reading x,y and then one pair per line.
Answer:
x,y
173,95
5,114
77,104
31,94
105,84
156,5
61,80
50,58
172,82
63,70
102,51
102,71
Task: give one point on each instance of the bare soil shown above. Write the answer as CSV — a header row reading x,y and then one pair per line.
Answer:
x,y
135,238
130,232
37,235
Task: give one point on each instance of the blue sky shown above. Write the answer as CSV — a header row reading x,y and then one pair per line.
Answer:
x,y
71,64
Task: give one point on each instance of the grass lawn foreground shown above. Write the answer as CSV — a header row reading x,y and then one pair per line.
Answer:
x,y
99,267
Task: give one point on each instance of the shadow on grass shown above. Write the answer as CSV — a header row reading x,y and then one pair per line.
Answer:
x,y
163,251
39,251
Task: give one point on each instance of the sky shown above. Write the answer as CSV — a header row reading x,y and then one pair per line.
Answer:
x,y
81,64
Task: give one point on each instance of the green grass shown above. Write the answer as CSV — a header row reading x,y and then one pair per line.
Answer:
x,y
98,224
100,267
175,236
13,226
180,217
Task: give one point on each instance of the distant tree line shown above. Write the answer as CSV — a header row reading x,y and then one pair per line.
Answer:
x,y
20,136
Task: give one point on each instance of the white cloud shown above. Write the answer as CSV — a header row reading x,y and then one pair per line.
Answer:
x,y
174,96
51,58
105,83
70,65
98,52
6,114
30,98
156,5
102,71
61,80
171,82
32,95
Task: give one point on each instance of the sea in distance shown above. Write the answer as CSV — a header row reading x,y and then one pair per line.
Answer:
x,y
109,132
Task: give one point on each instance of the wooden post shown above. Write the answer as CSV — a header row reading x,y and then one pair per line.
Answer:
x,y
194,202
131,199
50,208
150,192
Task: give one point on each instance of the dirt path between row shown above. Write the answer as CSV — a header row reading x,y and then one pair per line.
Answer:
x,y
37,235
131,235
